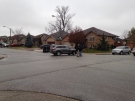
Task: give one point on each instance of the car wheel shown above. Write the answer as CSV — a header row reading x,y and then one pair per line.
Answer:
x,y
54,54
129,52
134,54
121,53
73,53
58,53
43,51
113,53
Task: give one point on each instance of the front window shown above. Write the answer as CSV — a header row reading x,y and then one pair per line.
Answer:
x,y
91,46
106,38
91,38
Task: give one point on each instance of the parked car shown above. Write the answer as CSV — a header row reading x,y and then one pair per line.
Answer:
x,y
5,45
14,45
62,49
0,45
121,50
46,48
133,51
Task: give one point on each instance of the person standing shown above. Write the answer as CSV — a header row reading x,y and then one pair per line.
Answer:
x,y
77,50
80,48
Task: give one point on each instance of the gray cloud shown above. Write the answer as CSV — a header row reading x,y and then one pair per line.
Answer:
x,y
113,16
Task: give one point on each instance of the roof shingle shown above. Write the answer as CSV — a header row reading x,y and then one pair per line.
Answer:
x,y
97,31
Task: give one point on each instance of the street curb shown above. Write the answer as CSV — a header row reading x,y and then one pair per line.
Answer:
x,y
103,54
31,96
1,57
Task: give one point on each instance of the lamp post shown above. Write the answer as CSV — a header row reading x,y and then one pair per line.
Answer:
x,y
60,38
10,34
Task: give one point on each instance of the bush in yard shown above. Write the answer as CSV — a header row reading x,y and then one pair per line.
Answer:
x,y
103,44
28,42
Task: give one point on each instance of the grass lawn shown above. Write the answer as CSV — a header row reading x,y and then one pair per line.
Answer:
x,y
25,48
86,50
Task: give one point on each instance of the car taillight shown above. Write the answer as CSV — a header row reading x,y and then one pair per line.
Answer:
x,y
53,48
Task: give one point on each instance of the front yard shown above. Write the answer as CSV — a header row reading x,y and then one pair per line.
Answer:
x,y
86,50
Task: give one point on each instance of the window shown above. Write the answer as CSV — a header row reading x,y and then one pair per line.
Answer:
x,y
91,46
107,38
91,38
61,47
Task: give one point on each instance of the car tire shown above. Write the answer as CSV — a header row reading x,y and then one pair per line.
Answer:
x,y
73,53
134,54
54,54
58,53
121,53
129,52
113,53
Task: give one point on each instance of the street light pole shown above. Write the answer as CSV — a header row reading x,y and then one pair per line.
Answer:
x,y
10,34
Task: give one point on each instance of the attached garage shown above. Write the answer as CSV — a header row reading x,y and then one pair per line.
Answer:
x,y
50,43
67,43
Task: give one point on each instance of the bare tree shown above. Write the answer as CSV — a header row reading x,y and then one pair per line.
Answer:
x,y
125,34
17,31
63,20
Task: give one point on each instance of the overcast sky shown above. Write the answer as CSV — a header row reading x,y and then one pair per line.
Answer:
x,y
114,16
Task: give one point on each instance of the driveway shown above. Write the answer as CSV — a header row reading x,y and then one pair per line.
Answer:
x,y
88,78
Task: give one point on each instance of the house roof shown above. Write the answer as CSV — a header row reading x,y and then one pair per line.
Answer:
x,y
97,31
59,34
3,38
40,35
18,37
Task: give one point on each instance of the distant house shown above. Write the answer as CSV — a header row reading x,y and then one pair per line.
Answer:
x,y
60,37
130,42
3,39
93,35
18,39
40,39
119,42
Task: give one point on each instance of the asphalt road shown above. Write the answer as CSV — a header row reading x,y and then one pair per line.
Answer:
x,y
88,78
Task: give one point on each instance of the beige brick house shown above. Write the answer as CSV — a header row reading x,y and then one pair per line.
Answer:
x,y
93,35
40,39
58,38
18,39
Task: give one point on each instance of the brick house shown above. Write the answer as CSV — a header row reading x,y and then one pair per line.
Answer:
x,y
129,42
119,42
93,35
58,38
3,39
18,39
40,39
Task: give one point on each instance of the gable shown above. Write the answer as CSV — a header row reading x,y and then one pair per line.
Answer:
x,y
50,38
98,32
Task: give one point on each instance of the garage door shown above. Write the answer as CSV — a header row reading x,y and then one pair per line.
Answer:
x,y
67,43
50,43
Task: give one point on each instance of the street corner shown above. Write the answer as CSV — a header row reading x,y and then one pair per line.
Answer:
x,y
2,56
30,96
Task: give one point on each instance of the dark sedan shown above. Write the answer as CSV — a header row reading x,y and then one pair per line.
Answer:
x,y
46,48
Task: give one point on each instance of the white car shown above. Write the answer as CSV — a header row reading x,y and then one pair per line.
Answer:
x,y
5,45
121,50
